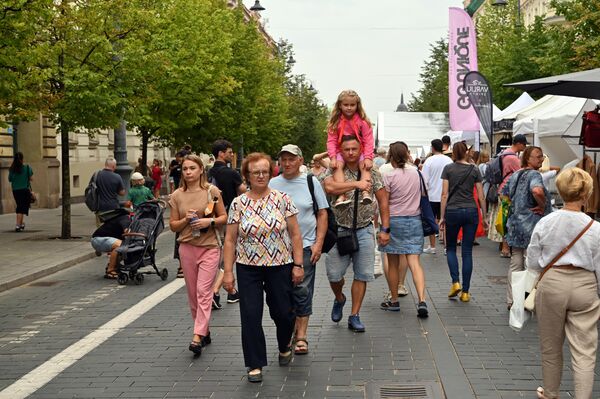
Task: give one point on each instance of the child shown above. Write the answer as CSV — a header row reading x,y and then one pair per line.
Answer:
x,y
348,118
138,193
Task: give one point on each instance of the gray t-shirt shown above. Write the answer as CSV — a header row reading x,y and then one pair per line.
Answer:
x,y
463,195
109,184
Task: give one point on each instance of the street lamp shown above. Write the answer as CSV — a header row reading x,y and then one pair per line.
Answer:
x,y
502,3
257,6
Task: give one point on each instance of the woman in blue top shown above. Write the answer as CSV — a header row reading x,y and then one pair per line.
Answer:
x,y
19,176
530,201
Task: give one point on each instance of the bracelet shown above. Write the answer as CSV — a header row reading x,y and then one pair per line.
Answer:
x,y
384,229
300,266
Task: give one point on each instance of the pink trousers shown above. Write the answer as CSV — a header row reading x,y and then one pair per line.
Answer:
x,y
199,266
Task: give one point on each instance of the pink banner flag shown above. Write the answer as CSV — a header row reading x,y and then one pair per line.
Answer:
x,y
462,58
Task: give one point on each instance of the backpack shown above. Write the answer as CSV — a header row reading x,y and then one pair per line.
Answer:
x,y
493,173
91,194
331,234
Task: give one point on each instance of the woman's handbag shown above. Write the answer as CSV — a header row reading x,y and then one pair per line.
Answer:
x,y
430,227
32,196
530,300
347,241
502,217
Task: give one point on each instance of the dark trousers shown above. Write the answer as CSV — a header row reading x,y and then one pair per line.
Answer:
x,y
467,218
276,282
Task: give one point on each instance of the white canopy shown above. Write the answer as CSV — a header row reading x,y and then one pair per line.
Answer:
x,y
519,104
416,129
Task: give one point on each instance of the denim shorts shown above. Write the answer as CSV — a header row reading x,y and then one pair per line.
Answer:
x,y
406,236
103,244
303,292
363,261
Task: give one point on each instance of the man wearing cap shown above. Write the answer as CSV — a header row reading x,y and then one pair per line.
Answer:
x,y
313,227
362,260
510,164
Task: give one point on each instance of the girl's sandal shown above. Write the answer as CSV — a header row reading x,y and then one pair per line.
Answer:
x,y
540,393
301,346
111,275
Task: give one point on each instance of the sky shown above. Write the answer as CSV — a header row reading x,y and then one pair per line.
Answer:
x,y
375,47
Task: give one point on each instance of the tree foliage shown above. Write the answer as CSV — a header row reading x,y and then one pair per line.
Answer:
x,y
433,95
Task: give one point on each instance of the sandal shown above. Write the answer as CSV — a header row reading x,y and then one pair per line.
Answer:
x,y
540,393
111,275
254,377
286,357
179,272
301,346
196,347
504,255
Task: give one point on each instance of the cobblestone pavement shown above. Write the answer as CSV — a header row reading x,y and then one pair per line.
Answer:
x,y
460,351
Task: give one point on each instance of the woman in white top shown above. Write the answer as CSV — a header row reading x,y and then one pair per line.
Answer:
x,y
567,302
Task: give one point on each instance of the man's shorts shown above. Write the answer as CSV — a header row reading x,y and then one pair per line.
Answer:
x,y
363,261
103,244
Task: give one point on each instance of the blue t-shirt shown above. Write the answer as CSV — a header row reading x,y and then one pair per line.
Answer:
x,y
297,189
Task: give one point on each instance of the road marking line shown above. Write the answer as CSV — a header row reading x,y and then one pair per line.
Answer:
x,y
47,371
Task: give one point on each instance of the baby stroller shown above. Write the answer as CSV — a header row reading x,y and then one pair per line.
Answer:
x,y
138,248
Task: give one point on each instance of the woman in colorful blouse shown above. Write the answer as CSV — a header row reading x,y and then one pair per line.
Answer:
x,y
263,238
196,210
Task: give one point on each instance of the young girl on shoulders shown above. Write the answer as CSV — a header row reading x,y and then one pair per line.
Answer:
x,y
348,118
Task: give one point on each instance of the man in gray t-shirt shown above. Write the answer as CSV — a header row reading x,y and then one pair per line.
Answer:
x,y
110,186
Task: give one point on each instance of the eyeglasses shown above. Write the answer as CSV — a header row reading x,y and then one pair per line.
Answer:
x,y
258,173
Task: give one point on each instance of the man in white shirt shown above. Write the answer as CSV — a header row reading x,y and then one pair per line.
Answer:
x,y
432,174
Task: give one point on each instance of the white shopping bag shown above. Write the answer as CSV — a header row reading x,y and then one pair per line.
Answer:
x,y
522,283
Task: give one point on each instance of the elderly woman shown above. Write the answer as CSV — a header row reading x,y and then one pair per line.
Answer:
x,y
196,211
403,193
566,302
263,239
530,201
459,210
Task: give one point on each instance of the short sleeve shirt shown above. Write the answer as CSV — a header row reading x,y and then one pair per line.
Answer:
x,y
463,194
227,179
365,212
139,194
297,188
521,220
20,181
109,184
263,238
404,186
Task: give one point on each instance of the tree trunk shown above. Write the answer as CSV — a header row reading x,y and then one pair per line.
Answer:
x,y
145,139
66,182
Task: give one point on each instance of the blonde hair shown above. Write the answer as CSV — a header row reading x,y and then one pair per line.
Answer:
x,y
574,184
203,180
484,157
336,112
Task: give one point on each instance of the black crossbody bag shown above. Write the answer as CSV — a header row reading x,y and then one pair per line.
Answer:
x,y
347,241
331,233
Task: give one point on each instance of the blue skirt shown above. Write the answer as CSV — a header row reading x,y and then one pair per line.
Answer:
x,y
406,236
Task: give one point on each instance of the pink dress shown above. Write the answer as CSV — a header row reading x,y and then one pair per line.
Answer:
x,y
354,126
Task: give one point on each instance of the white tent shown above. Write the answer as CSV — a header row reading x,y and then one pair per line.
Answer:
x,y
520,103
550,121
416,129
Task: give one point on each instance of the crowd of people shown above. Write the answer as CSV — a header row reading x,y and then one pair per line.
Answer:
x,y
263,230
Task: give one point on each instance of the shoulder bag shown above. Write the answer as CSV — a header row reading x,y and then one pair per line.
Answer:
x,y
331,233
430,227
347,241
530,300
462,180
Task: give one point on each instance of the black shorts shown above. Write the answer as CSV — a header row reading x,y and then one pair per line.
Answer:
x,y
435,206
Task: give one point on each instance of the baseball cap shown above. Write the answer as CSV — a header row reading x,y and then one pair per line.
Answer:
x,y
292,149
137,176
520,139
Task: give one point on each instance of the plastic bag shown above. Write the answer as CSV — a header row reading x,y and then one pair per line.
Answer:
x,y
518,316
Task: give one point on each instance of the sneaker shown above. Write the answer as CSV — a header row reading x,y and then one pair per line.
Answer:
x,y
233,298
17,228
216,304
355,324
429,250
445,252
22,227
465,297
391,306
422,311
454,290
366,198
341,203
402,291
336,311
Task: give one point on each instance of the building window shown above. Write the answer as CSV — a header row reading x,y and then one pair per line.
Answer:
x,y
75,181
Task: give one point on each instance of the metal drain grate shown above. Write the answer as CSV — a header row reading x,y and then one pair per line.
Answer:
x,y
427,390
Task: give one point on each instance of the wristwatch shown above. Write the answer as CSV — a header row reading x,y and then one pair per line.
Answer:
x,y
384,229
300,266
212,222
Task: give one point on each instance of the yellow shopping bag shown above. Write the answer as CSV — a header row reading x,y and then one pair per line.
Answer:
x,y
503,208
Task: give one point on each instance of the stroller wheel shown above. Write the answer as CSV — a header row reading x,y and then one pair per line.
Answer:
x,y
164,274
123,278
139,279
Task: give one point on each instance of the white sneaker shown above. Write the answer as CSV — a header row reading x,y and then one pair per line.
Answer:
x,y
429,250
402,291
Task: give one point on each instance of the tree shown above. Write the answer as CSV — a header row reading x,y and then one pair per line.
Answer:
x,y
433,95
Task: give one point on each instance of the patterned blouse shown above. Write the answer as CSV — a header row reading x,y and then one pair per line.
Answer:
x,y
521,220
263,238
